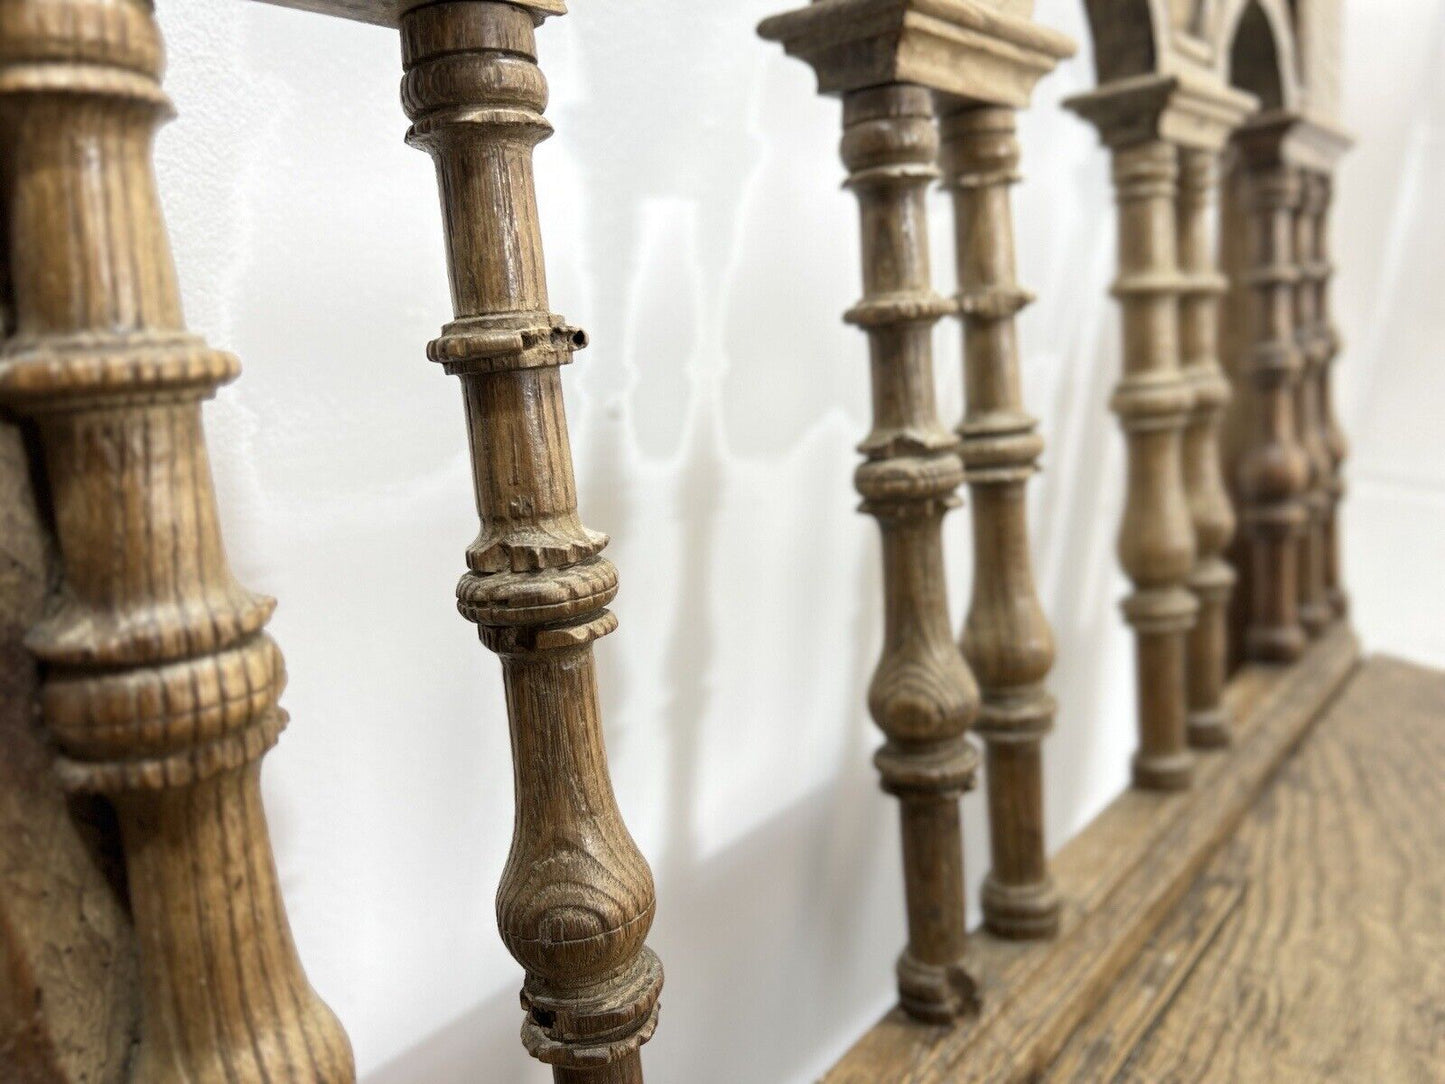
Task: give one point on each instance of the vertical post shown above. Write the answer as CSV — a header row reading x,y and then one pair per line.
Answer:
x,y
1273,468
1006,637
922,695
1336,445
1212,578
1153,401
161,684
1314,606
576,899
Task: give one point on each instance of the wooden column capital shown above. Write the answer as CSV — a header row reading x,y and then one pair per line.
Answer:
x,y
964,49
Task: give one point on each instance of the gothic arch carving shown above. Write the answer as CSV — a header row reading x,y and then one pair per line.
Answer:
x,y
1255,50
1130,36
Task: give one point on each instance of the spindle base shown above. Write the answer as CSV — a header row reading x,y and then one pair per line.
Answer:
x,y
1208,729
1163,771
933,993
1027,912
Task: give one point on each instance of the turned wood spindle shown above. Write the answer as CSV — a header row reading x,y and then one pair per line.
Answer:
x,y
1315,610
1154,402
1211,510
1336,445
576,900
922,695
1006,637
161,684
1273,468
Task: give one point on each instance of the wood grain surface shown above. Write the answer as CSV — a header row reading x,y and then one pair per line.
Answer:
x,y
1333,967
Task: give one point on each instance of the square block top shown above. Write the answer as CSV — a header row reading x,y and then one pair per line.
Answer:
x,y
972,50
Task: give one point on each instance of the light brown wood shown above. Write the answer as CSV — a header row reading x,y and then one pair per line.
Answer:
x,y
1333,966
922,696
161,685
969,50
1273,469
390,12
1006,637
576,899
1119,879
1335,441
1104,1042
1211,509
1314,605
1153,401
69,996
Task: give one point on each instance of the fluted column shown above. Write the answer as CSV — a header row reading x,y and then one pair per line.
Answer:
x,y
1211,510
1336,445
576,899
922,695
1273,467
161,685
1006,637
1315,610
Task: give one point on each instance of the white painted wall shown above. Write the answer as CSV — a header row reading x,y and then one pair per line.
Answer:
x,y
695,226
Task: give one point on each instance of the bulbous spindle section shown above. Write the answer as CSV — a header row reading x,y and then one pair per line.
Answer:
x,y
161,685
1273,468
576,899
1336,445
1006,637
922,695
1154,402
1210,508
1314,605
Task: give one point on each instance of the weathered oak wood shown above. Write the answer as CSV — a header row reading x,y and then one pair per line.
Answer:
x,y
1273,467
1006,637
1210,507
1104,1042
576,899
161,685
1119,879
1314,605
1335,441
69,996
390,12
922,696
1333,966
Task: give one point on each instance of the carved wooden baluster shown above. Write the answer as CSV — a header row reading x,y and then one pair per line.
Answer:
x,y
922,695
1006,637
1154,402
576,899
1273,468
1314,606
1210,507
1335,443
161,685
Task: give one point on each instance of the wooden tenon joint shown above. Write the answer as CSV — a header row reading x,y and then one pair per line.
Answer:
x,y
1165,134
161,685
576,899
